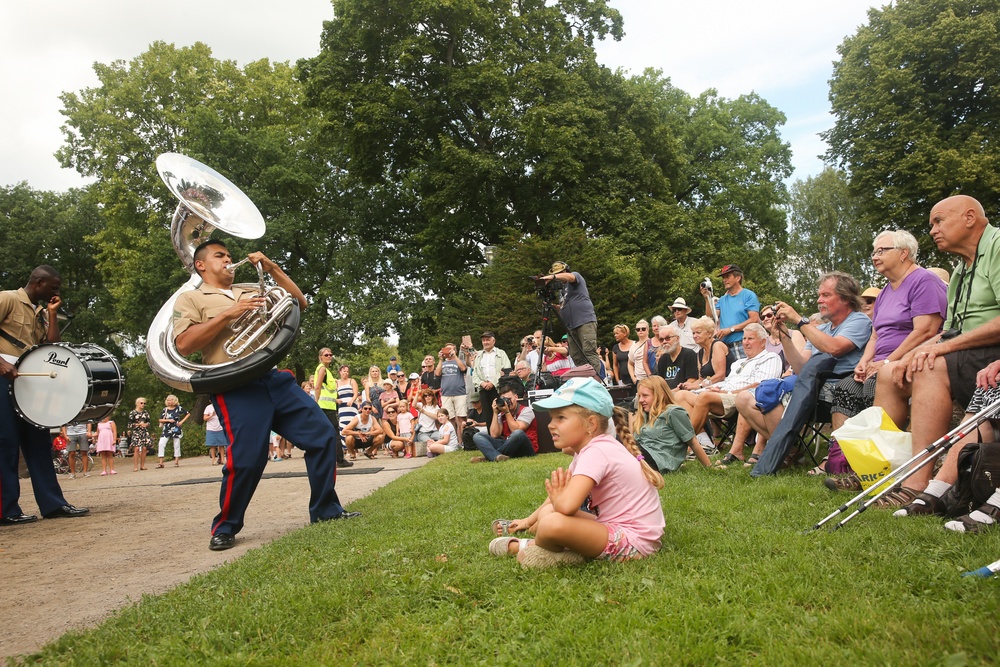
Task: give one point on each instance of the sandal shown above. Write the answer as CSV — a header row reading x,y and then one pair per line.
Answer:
x,y
818,470
501,527
752,461
159,465
849,482
923,504
967,524
726,461
501,545
899,496
368,456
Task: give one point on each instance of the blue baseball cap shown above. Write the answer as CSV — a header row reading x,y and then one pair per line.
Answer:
x,y
587,393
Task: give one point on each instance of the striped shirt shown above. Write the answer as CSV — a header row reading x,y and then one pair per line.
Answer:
x,y
746,372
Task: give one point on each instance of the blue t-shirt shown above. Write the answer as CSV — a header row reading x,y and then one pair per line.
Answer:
x,y
577,308
452,379
857,328
735,309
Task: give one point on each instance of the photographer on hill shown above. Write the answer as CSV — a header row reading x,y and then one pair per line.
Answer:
x,y
577,313
513,431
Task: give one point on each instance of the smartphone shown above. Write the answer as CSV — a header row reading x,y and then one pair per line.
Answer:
x,y
467,342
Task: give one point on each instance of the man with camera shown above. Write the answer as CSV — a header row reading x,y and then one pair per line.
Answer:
x,y
578,315
450,372
513,430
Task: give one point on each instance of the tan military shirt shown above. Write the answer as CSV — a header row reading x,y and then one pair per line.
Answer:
x,y
21,319
201,305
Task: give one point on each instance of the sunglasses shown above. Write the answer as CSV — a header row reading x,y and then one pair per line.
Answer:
x,y
366,409
769,316
641,329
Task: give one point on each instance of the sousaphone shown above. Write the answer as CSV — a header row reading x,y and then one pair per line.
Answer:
x,y
209,201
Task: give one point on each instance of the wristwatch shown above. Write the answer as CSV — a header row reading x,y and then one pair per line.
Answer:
x,y
804,321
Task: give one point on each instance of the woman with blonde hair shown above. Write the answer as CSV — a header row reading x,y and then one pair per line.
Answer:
x,y
713,355
662,428
637,353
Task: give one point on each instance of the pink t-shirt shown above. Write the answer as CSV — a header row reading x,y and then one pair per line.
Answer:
x,y
405,422
621,495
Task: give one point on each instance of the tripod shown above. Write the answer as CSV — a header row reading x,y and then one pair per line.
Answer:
x,y
546,328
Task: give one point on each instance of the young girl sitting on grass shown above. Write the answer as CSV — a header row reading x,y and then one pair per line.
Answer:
x,y
448,442
662,428
606,506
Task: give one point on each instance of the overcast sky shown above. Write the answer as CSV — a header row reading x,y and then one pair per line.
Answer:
x,y
781,49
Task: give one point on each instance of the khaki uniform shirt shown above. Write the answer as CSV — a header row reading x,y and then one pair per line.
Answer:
x,y
199,306
21,319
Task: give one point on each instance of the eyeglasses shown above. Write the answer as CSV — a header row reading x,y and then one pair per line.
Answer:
x,y
327,355
668,337
877,252
679,310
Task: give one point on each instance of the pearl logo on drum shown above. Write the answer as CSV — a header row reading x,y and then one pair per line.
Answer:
x,y
56,361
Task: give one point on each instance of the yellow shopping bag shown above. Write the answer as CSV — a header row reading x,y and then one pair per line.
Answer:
x,y
873,445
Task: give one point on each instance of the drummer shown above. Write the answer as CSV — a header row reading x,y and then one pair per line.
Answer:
x,y
21,327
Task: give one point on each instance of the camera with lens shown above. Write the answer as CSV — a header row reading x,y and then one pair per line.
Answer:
x,y
503,403
707,284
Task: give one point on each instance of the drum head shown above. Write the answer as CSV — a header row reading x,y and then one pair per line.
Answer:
x,y
45,401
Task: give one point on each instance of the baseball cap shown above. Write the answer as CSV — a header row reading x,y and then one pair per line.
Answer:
x,y
387,381
474,396
587,393
730,268
413,376
488,334
392,358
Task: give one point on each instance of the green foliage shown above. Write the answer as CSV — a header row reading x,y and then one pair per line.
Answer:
x,y
915,99
39,227
826,233
250,125
416,565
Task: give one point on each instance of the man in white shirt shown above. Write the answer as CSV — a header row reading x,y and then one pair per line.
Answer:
x,y
486,371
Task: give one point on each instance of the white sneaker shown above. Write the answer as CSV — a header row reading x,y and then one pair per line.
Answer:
x,y
71,476
707,444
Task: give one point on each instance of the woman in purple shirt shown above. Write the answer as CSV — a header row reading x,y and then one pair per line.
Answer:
x,y
908,311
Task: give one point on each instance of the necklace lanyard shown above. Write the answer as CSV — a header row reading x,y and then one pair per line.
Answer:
x,y
956,320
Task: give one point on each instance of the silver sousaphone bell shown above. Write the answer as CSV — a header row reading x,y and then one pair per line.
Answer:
x,y
209,201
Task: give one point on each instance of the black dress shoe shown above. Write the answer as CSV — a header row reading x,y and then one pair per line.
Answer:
x,y
222,541
344,463
67,512
18,519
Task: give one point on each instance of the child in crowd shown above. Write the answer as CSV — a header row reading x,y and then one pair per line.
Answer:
x,y
171,419
107,436
275,446
404,423
448,442
662,428
606,506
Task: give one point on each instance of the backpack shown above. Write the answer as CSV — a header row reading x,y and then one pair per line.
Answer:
x,y
978,477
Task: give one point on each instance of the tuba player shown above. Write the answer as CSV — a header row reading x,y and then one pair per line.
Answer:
x,y
202,320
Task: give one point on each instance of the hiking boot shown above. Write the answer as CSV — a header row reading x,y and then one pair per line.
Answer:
x,y
843,483
924,503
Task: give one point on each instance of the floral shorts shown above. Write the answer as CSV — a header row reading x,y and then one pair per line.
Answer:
x,y
618,548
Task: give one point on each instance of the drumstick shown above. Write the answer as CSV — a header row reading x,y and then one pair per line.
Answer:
x,y
37,375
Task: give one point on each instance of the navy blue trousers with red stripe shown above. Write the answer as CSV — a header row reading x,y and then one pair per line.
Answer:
x,y
36,446
248,415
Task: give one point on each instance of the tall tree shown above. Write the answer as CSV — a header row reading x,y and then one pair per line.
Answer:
x,y
249,124
38,227
915,96
826,233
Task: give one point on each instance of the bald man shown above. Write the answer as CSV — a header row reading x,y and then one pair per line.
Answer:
x,y
945,367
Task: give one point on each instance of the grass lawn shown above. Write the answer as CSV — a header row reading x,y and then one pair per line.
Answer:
x,y
736,582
